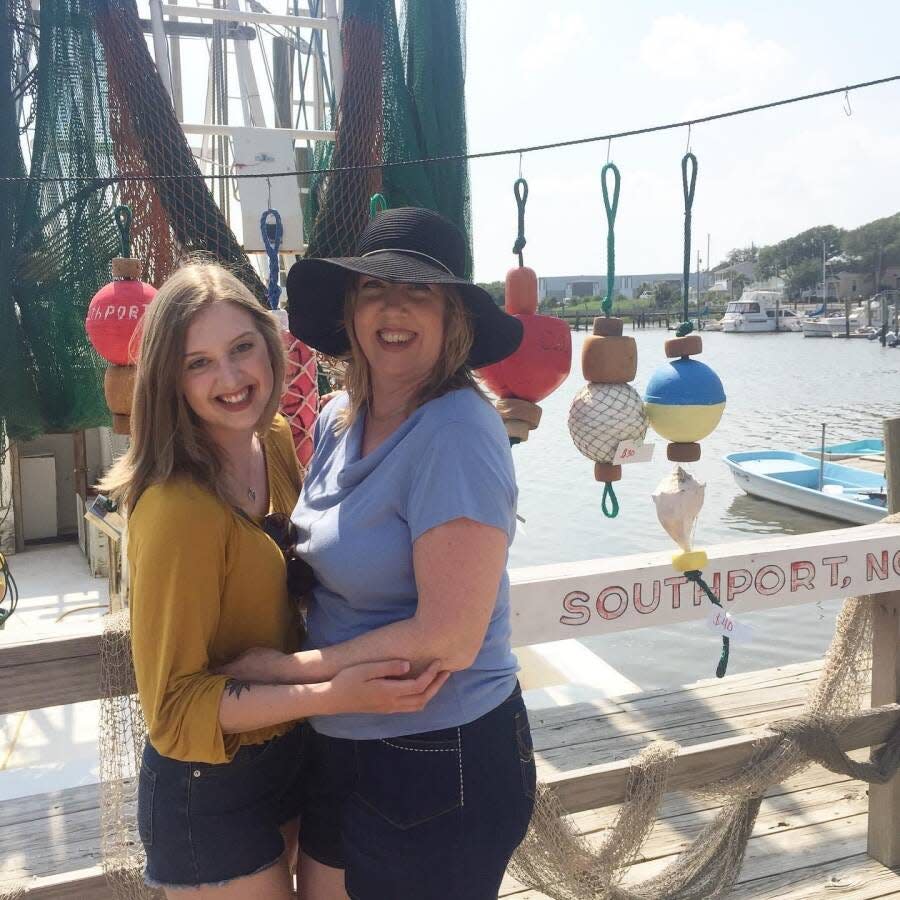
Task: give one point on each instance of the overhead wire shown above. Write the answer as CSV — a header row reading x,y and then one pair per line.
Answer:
x,y
485,154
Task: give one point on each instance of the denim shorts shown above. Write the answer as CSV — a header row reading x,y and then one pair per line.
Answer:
x,y
431,816
204,824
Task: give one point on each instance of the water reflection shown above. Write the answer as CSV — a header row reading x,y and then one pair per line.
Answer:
x,y
753,515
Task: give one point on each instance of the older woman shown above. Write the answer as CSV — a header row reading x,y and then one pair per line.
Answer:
x,y
406,518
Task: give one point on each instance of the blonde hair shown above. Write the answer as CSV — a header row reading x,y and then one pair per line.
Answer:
x,y
450,373
167,437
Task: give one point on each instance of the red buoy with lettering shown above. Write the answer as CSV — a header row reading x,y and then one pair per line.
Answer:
x,y
115,311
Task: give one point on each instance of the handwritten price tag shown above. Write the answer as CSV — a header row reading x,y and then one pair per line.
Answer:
x,y
720,622
632,452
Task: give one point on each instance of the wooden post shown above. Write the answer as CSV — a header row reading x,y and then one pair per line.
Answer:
x,y
18,520
79,448
884,799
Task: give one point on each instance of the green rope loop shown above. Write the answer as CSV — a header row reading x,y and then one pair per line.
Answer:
x,y
377,204
122,216
611,209
520,191
696,576
610,501
688,185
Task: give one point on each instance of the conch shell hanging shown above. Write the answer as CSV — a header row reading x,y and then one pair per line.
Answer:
x,y
679,499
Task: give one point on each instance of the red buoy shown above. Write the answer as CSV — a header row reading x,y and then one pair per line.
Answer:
x,y
543,359
115,311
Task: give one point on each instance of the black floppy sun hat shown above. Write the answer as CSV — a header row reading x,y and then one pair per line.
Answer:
x,y
405,245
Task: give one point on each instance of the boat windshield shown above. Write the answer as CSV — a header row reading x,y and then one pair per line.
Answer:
x,y
742,308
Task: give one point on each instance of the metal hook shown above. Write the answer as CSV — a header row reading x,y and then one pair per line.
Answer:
x,y
848,109
520,164
269,186
687,149
608,150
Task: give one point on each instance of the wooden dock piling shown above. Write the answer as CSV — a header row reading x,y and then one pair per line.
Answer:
x,y
884,799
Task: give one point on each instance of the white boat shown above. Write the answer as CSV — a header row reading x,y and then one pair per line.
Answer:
x,y
830,326
756,312
797,480
864,319
867,447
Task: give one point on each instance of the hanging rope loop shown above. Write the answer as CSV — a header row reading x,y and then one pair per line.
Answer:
x,y
688,183
272,236
611,209
520,191
696,576
610,505
377,204
122,217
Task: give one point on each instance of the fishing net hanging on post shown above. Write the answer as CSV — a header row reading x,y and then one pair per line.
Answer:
x,y
121,745
59,236
435,55
18,391
100,111
415,109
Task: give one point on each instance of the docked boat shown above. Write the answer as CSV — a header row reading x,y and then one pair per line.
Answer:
x,y
831,326
849,450
759,311
793,479
863,320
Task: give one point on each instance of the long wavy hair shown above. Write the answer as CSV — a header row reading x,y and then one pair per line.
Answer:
x,y
167,437
450,373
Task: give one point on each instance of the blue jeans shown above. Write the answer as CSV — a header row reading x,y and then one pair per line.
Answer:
x,y
431,816
204,824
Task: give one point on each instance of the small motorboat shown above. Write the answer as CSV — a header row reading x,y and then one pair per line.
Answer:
x,y
803,482
849,450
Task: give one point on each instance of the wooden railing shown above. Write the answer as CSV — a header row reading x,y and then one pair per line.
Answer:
x,y
601,596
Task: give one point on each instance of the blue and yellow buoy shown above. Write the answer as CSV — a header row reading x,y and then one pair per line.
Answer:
x,y
684,401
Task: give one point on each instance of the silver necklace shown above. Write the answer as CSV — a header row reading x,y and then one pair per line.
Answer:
x,y
251,493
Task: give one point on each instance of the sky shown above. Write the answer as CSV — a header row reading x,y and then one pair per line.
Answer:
x,y
539,72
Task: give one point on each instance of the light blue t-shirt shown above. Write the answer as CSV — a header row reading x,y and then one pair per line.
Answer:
x,y
358,519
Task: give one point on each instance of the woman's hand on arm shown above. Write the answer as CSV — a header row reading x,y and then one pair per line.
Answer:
x,y
369,688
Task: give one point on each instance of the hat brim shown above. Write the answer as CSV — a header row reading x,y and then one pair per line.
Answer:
x,y
316,289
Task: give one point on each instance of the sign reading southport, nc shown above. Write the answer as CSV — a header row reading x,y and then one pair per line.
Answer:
x,y
601,596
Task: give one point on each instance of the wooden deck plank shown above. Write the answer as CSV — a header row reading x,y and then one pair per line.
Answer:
x,y
854,878
698,764
678,803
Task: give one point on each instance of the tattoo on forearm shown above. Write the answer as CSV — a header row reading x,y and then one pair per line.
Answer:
x,y
235,687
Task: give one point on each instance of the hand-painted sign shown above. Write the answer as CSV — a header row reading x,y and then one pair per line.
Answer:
x,y
600,596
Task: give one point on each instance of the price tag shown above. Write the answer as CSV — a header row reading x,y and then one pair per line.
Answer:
x,y
632,452
720,622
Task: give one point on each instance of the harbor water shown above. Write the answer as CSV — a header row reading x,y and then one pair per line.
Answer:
x,y
780,389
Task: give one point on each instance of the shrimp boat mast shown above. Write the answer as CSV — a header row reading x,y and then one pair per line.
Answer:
x,y
288,71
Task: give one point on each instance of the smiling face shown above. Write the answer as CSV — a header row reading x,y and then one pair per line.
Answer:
x,y
400,329
227,377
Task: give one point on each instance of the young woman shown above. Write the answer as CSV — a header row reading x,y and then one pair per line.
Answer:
x,y
219,786
406,519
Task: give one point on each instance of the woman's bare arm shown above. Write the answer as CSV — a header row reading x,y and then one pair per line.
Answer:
x,y
458,567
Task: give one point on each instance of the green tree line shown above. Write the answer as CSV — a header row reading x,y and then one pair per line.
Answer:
x,y
867,250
